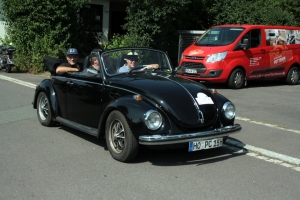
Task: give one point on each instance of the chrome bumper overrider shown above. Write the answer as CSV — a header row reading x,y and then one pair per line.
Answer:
x,y
188,137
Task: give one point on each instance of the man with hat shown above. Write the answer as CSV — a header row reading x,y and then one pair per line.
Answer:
x,y
132,63
72,65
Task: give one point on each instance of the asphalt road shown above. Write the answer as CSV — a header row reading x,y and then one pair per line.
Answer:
x,y
37,162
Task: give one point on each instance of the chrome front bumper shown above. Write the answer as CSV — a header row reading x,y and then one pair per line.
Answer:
x,y
188,137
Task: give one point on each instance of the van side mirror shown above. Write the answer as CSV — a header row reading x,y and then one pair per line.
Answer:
x,y
244,44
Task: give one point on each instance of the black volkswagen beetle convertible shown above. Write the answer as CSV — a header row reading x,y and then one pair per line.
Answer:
x,y
129,107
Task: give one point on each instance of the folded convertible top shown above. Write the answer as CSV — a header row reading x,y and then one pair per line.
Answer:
x,y
51,63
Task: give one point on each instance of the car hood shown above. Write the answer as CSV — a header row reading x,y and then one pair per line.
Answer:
x,y
188,103
195,50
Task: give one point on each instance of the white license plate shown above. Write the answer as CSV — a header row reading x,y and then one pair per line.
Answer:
x,y
205,144
191,71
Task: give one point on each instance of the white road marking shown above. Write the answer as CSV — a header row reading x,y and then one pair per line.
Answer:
x,y
269,156
27,84
266,124
259,153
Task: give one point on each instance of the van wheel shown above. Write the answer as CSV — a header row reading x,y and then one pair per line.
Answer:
x,y
120,141
292,77
236,79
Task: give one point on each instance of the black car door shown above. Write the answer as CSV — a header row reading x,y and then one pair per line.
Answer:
x,y
84,99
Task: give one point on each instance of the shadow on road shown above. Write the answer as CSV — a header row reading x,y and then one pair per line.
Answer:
x,y
250,84
170,157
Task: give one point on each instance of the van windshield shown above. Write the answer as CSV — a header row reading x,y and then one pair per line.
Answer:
x,y
220,36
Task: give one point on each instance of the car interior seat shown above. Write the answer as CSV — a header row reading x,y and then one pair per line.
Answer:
x,y
51,63
121,62
86,62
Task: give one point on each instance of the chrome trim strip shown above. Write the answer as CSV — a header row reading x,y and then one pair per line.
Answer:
x,y
188,137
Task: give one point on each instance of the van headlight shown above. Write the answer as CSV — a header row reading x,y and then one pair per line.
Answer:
x,y
217,57
228,110
153,119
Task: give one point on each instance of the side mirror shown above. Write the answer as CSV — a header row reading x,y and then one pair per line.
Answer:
x,y
178,69
244,44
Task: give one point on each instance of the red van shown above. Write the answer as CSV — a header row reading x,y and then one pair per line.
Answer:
x,y
233,54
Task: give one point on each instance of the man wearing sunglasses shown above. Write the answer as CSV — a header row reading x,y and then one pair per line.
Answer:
x,y
132,60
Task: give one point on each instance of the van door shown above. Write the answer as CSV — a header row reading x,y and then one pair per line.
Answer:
x,y
278,52
255,54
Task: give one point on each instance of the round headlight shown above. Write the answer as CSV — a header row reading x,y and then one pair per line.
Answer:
x,y
153,119
228,110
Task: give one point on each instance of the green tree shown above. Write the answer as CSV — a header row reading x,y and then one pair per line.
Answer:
x,y
43,27
271,12
154,23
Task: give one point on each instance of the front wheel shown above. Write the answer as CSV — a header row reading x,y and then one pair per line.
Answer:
x,y
236,79
44,110
292,77
120,141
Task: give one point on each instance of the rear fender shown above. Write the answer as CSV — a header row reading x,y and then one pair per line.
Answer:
x,y
47,87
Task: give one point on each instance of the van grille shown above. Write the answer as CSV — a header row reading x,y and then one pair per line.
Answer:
x,y
193,65
194,57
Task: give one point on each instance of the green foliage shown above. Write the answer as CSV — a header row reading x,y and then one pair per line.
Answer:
x,y
154,23
42,27
151,21
5,41
269,12
118,41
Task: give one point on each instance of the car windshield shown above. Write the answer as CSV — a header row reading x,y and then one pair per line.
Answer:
x,y
220,36
126,60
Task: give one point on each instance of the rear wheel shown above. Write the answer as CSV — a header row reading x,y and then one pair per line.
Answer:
x,y
8,68
236,79
44,110
292,77
120,141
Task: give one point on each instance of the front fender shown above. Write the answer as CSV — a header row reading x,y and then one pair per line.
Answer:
x,y
133,111
46,86
220,99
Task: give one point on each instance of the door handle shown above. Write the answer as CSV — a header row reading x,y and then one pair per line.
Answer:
x,y
263,51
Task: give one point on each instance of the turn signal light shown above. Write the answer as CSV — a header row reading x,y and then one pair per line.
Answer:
x,y
213,91
138,97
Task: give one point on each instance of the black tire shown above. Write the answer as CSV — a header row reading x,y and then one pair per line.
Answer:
x,y
120,141
8,69
292,77
44,112
236,79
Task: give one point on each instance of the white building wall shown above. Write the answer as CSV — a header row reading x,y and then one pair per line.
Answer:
x,y
2,29
105,19
2,23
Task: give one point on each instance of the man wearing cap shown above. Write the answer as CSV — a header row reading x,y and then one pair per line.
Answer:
x,y
72,65
132,63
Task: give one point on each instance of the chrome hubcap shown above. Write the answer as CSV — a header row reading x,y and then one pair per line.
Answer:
x,y
43,108
238,78
295,76
117,136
